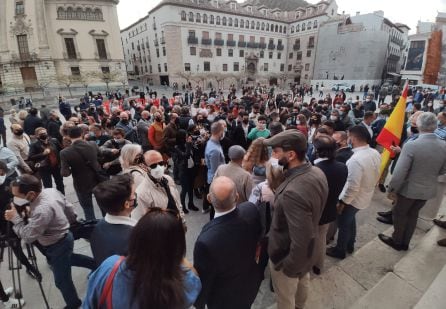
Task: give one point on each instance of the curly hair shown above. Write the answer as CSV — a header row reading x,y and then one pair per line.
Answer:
x,y
256,155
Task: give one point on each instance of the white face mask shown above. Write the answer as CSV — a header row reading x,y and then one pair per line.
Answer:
x,y
297,122
20,201
157,172
2,179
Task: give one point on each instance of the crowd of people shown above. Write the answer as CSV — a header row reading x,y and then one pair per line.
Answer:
x,y
279,174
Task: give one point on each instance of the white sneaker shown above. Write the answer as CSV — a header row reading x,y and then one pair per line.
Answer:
x,y
14,303
9,291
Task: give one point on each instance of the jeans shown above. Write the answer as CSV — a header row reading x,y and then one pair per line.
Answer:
x,y
59,257
86,202
47,172
346,229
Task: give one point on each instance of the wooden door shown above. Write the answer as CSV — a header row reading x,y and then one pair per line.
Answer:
x,y
29,78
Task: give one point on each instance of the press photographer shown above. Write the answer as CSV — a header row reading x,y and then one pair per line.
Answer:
x,y
45,220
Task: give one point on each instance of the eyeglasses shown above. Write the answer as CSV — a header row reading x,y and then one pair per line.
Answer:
x,y
154,165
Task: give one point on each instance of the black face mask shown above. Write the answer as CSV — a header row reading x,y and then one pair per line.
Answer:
x,y
245,121
158,119
43,137
414,130
125,121
18,132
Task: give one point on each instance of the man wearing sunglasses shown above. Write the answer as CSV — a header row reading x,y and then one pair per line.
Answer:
x,y
157,190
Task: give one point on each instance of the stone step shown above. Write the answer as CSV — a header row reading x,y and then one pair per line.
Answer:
x,y
433,298
403,286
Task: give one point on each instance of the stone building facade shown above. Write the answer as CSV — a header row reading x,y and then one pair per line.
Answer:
x,y
42,41
224,41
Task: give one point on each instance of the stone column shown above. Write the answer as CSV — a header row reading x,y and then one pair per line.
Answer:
x,y
3,29
41,24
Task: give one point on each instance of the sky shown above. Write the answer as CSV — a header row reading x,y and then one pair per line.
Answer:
x,y
130,11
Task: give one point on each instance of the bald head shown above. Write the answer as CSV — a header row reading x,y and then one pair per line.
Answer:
x,y
340,138
223,194
123,115
152,157
145,115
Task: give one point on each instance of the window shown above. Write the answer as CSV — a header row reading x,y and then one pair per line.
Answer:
x,y
290,56
205,34
236,22
230,21
242,23
159,67
207,66
258,26
306,76
211,19
225,67
252,24
311,41
157,53
165,67
279,55
102,52
183,15
230,53
191,16
230,37
241,53
297,28
22,41
236,67
267,27
205,19
252,39
193,51
217,22
263,26
265,67
105,70
71,49
224,21
282,67
315,24
19,8
218,52
198,18
303,26
75,71
191,33
241,38
187,67
280,29
292,29
276,28
307,67
150,69
309,53
270,55
262,54
218,35
290,67
299,56
309,25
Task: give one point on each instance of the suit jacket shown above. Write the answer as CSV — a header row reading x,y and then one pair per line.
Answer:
x,y
420,163
242,179
343,154
224,256
238,135
73,161
31,123
299,202
336,173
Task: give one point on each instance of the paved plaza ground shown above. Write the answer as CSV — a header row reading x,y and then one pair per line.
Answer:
x,y
368,228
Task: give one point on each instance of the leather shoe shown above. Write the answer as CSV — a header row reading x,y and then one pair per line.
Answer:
x,y
385,213
385,220
442,242
333,252
382,188
350,250
440,223
389,241
316,270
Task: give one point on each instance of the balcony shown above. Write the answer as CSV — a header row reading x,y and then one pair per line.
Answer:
x,y
241,44
253,45
192,40
310,45
219,42
206,41
296,47
271,46
230,43
262,45
280,47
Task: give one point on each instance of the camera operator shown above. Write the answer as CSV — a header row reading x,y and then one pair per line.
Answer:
x,y
44,217
6,232
111,151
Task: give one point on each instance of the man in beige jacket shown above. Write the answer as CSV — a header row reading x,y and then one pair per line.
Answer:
x,y
19,145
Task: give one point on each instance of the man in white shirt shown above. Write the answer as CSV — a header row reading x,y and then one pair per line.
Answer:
x,y
363,174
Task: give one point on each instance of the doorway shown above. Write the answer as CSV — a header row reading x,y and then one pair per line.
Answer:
x,y
164,80
29,78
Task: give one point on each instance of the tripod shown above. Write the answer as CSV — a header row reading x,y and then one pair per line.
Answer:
x,y
15,266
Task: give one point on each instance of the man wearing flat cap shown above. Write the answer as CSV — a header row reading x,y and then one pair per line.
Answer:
x,y
299,202
234,171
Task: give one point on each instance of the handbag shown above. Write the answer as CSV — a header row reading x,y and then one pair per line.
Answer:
x,y
100,175
106,295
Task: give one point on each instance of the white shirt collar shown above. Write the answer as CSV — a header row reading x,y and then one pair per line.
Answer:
x,y
360,148
220,214
319,160
119,220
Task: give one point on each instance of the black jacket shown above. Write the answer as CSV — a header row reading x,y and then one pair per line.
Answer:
x,y
238,135
224,256
53,128
109,239
31,123
37,148
73,161
336,173
343,154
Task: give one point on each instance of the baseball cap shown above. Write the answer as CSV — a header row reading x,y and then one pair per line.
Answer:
x,y
288,140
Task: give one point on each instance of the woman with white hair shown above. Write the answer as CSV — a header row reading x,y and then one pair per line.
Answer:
x,y
132,162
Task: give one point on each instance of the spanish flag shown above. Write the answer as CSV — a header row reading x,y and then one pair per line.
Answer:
x,y
391,133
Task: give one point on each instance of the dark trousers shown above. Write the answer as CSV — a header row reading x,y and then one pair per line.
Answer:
x,y
3,138
346,229
59,256
3,297
187,186
47,172
86,202
405,216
